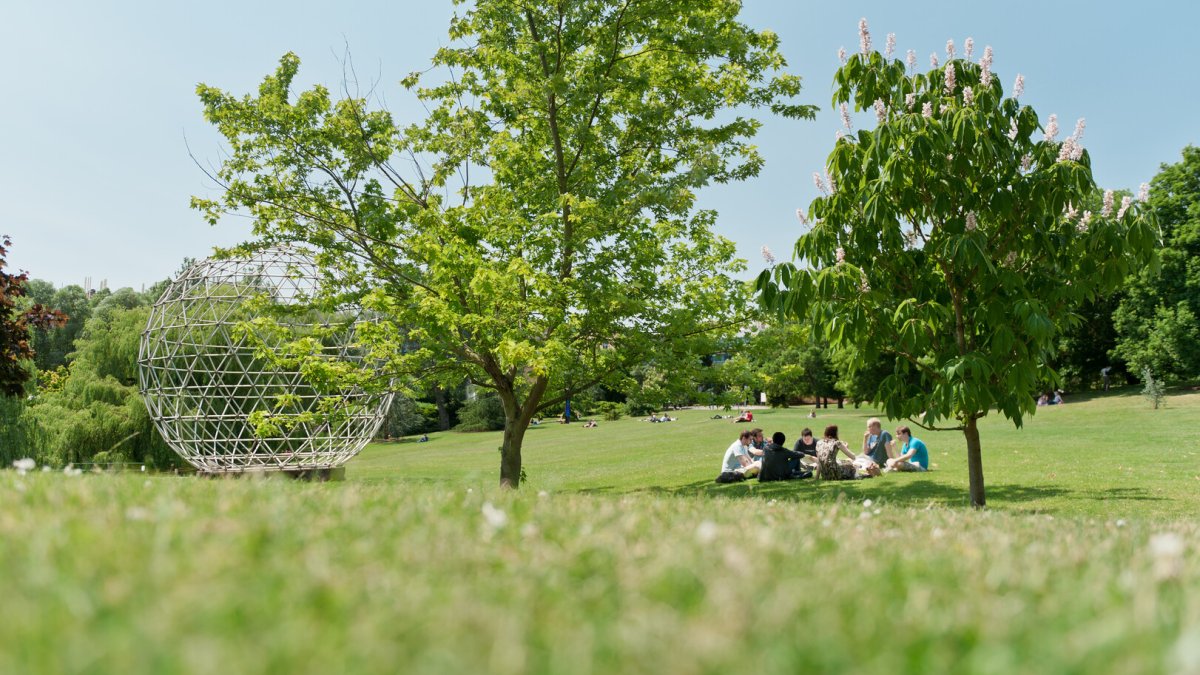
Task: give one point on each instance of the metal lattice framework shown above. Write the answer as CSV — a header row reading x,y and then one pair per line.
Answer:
x,y
201,380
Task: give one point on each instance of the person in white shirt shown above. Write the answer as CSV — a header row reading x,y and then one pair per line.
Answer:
x,y
737,458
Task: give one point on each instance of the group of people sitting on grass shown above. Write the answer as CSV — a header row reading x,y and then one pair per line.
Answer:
x,y
751,455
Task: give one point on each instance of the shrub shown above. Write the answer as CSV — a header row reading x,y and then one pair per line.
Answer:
x,y
610,410
1154,391
407,417
485,413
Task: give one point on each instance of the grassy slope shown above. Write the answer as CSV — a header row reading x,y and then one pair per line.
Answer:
x,y
1108,455
621,557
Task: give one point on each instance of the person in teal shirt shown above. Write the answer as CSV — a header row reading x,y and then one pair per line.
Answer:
x,y
914,456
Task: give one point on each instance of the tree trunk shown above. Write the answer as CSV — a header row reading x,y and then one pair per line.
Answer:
x,y
516,423
974,463
510,453
443,409
841,402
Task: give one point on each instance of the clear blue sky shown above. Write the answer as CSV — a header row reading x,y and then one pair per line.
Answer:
x,y
99,106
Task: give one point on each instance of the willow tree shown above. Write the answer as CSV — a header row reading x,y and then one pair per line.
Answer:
x,y
538,231
947,237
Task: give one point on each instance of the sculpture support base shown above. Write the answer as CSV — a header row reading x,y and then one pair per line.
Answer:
x,y
313,475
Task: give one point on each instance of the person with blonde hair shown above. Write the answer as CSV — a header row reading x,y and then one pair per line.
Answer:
x,y
877,443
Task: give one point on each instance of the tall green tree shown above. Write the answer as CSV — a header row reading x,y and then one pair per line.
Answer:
x,y
552,240
1158,320
948,237
53,344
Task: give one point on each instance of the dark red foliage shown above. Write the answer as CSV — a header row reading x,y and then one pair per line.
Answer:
x,y
15,325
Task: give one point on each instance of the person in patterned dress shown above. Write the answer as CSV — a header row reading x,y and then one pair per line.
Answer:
x,y
828,467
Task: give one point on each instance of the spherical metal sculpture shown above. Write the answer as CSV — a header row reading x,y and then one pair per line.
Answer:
x,y
203,381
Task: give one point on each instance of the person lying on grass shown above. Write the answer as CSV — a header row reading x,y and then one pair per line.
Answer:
x,y
828,466
914,456
737,458
777,461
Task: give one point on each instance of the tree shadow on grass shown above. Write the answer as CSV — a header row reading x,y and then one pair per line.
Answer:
x,y
911,491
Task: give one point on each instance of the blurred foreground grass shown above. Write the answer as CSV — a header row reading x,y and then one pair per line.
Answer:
x,y
154,575
626,567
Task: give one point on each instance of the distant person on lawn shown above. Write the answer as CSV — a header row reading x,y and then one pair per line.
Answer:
x,y
914,456
737,458
877,443
746,416
777,461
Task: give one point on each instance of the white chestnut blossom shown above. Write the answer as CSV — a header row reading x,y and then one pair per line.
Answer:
x,y
864,37
927,109
1069,150
933,60
832,183
944,108
969,47
801,217
1143,192
768,256
842,55
840,255
891,44
820,184
912,59
845,116
838,135
950,78
949,50
1012,129
1019,86
1011,258
1126,202
910,100
1083,222
1071,212
968,96
1026,163
1052,128
1106,211
985,77
863,286
972,223
880,111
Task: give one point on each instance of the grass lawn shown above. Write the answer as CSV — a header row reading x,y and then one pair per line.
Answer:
x,y
620,555
1104,456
